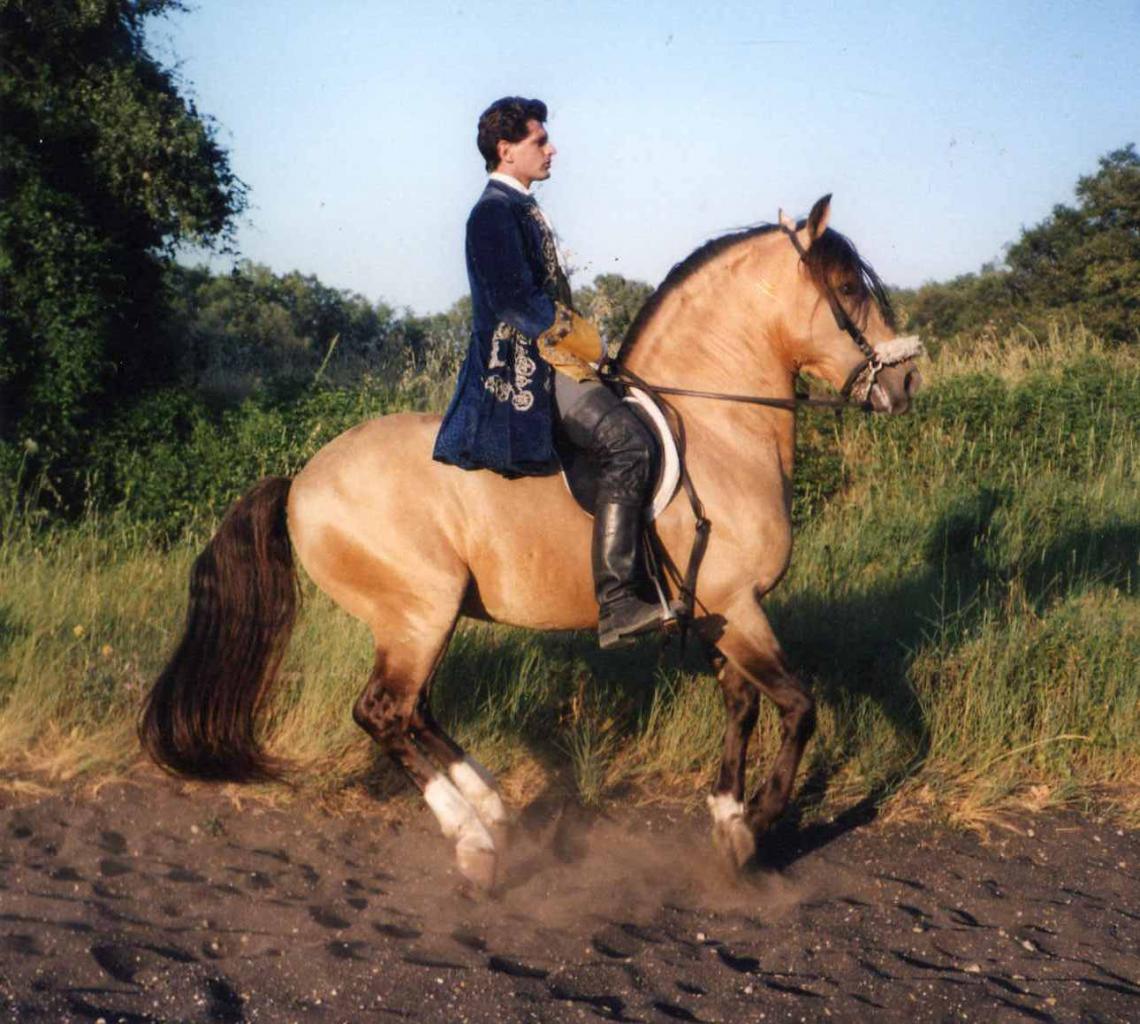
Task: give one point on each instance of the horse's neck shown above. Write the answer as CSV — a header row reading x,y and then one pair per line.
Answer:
x,y
705,344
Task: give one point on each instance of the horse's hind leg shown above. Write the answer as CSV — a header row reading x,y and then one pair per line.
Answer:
x,y
389,710
471,779
756,664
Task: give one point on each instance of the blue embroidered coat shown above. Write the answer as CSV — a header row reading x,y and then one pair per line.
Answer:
x,y
501,415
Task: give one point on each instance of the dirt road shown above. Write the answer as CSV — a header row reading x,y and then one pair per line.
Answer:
x,y
151,902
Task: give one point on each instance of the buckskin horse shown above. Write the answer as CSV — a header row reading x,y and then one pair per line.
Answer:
x,y
409,545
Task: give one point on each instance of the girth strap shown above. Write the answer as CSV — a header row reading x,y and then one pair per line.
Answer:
x,y
686,585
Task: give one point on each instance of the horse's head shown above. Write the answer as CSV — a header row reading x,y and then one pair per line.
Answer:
x,y
838,322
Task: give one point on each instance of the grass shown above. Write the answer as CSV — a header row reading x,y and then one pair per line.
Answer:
x,y
964,606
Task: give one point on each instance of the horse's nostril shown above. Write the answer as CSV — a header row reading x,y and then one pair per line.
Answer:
x,y
912,383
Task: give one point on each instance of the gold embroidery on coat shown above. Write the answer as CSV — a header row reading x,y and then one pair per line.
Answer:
x,y
549,250
502,333
516,391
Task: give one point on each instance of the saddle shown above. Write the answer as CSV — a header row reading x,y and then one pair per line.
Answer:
x,y
580,473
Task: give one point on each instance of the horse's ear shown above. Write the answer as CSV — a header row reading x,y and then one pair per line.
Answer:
x,y
817,219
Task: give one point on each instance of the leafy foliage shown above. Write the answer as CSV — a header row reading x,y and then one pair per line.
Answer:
x,y
1088,258
236,332
169,463
105,167
612,302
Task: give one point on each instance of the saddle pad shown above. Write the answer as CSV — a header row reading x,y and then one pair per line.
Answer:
x,y
581,475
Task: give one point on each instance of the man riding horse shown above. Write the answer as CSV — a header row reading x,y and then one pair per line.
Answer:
x,y
531,366
408,545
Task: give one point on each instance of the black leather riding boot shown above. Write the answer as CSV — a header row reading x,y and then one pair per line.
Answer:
x,y
622,449
616,558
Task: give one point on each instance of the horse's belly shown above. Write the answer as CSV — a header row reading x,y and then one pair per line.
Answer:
x,y
528,550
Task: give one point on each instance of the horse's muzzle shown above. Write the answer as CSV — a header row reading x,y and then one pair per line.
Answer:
x,y
894,388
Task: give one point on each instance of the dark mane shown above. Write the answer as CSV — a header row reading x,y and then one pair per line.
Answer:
x,y
832,261
681,272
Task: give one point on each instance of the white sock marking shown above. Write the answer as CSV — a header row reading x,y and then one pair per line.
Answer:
x,y
478,787
724,807
456,816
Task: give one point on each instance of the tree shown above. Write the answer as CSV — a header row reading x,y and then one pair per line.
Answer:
x,y
104,168
438,341
1081,261
612,302
234,332
968,303
1087,258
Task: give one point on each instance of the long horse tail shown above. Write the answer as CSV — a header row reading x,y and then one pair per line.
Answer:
x,y
201,716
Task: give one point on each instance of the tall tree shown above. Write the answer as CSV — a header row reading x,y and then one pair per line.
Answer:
x,y
240,330
1081,261
104,168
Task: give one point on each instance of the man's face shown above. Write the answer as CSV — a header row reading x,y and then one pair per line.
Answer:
x,y
528,160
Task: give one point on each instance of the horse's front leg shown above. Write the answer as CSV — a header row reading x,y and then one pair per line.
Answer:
x,y
732,836
797,723
754,663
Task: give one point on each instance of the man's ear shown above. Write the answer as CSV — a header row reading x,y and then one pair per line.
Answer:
x,y
503,147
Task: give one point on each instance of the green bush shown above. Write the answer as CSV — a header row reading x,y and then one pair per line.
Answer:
x,y
170,463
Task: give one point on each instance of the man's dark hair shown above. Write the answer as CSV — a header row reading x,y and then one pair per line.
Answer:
x,y
506,119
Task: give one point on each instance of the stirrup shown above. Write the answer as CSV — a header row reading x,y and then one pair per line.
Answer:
x,y
667,619
673,621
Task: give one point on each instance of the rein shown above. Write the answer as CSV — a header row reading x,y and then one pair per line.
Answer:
x,y
613,371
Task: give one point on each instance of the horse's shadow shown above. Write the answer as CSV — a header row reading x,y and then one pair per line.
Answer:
x,y
862,647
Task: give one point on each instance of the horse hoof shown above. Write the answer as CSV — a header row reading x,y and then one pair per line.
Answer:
x,y
479,866
733,838
735,842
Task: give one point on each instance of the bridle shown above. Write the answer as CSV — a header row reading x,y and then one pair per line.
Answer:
x,y
864,373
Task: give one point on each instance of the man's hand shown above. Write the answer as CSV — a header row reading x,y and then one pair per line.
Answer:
x,y
571,341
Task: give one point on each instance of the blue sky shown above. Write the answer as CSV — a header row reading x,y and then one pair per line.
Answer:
x,y
941,129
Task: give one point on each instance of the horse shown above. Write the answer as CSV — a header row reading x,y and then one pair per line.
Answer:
x,y
409,546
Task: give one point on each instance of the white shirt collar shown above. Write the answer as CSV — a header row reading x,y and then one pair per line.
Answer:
x,y
506,179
